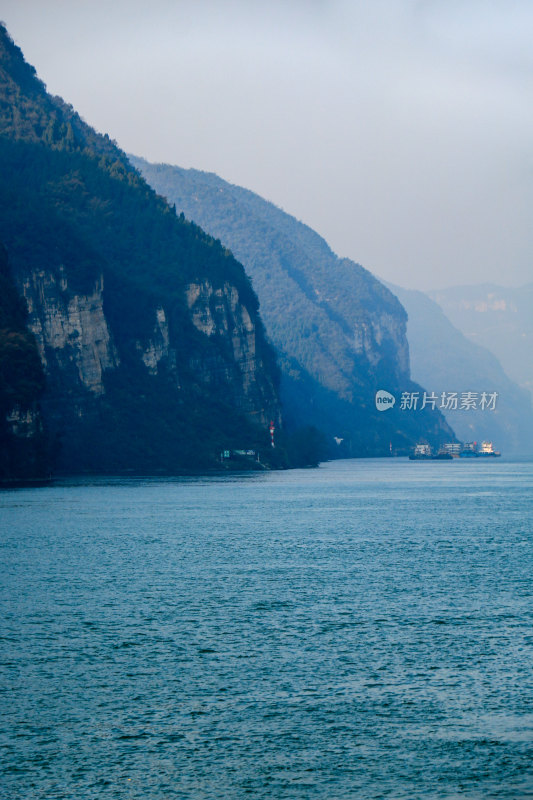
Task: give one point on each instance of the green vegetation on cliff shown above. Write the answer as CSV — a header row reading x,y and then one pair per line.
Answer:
x,y
155,354
23,450
340,333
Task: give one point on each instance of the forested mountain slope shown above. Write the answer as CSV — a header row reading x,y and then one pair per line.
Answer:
x,y
148,329
339,332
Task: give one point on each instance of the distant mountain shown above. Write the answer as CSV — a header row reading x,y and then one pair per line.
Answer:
x,y
147,328
339,333
444,360
497,318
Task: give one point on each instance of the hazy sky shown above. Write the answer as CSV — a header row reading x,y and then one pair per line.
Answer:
x,y
401,130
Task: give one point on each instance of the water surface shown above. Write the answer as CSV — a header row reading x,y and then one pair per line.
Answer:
x,y
358,631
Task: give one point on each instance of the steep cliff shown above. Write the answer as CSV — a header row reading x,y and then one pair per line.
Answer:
x,y
24,453
340,334
147,328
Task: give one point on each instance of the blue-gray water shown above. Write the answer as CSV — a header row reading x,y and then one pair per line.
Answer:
x,y
358,631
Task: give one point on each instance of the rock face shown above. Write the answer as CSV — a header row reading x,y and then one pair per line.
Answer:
x,y
158,347
70,329
218,312
147,329
339,333
24,452
75,342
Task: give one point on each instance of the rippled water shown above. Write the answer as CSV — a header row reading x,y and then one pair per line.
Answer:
x,y
358,631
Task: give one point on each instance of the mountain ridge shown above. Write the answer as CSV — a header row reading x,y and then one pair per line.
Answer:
x,y
444,359
148,329
497,317
339,333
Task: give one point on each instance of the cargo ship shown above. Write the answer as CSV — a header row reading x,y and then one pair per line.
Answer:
x,y
423,452
487,450
470,450
450,450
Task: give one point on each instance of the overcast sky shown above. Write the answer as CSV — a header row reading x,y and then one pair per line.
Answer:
x,y
401,130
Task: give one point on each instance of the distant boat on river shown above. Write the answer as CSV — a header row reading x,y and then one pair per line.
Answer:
x,y
451,450
423,452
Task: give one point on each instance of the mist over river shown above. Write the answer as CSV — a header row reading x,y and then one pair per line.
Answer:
x,y
362,631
